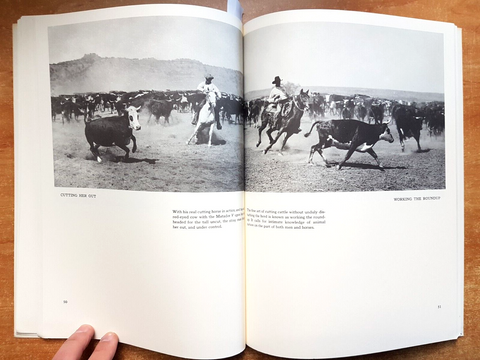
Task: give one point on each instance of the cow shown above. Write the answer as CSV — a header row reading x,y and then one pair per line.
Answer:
x,y
255,108
231,107
376,113
348,107
183,105
360,111
90,107
435,118
120,105
194,99
351,135
110,100
113,130
159,108
56,106
66,109
408,124
316,106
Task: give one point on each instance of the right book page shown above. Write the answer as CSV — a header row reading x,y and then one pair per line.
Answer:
x,y
354,183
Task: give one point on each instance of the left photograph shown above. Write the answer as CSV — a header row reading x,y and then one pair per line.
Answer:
x,y
147,104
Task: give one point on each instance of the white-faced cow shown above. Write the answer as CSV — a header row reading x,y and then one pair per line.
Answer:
x,y
351,135
113,131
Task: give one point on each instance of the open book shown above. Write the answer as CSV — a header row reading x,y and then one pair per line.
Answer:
x,y
129,221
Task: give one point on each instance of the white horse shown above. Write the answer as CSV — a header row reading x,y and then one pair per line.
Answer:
x,y
206,117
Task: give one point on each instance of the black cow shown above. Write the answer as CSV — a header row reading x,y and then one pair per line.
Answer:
x,y
56,105
351,135
408,124
231,107
376,113
194,99
120,105
254,109
113,130
90,107
360,111
435,118
159,108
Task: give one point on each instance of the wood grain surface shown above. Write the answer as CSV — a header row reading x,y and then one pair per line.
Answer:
x,y
464,13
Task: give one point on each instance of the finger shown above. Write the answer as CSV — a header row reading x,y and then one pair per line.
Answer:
x,y
74,346
106,347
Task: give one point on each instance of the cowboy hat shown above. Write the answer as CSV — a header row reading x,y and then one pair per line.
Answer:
x,y
277,80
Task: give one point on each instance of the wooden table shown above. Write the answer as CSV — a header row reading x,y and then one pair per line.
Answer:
x,y
464,13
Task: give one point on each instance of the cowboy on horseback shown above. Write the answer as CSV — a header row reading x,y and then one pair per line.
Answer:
x,y
206,87
278,97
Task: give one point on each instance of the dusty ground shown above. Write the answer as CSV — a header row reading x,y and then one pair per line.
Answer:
x,y
289,172
163,162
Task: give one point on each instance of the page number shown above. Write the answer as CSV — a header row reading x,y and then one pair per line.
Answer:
x,y
65,301
439,306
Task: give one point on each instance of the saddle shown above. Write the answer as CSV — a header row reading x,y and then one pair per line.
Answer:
x,y
286,108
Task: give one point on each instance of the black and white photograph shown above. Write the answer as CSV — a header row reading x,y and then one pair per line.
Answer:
x,y
344,107
147,104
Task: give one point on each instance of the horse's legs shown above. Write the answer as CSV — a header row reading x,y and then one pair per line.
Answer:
x,y
280,132
210,135
260,129
194,133
288,134
269,133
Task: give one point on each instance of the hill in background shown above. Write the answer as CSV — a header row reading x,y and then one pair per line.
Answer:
x,y
93,73
410,96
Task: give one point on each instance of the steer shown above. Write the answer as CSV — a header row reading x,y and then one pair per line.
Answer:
x,y
113,130
351,135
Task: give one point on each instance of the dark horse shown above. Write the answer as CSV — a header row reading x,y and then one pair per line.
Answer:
x,y
289,122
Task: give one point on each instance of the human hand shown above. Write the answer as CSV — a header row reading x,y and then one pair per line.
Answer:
x,y
73,347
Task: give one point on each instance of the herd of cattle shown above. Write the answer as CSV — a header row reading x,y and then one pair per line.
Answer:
x,y
353,123
158,104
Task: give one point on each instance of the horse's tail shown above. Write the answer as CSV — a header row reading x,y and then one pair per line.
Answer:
x,y
314,124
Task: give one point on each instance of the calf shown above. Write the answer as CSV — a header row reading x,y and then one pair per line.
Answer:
x,y
113,130
351,135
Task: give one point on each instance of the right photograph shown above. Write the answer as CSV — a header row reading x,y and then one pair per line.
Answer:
x,y
341,107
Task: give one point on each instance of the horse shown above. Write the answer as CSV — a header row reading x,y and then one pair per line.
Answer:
x,y
206,117
289,122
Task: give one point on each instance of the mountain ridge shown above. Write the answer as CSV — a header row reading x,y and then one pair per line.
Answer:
x,y
93,73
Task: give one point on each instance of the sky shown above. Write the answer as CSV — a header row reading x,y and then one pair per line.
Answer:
x,y
304,53
163,38
344,55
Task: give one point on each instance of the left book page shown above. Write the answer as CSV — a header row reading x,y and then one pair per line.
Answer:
x,y
119,222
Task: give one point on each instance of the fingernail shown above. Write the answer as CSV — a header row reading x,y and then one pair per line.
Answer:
x,y
83,328
107,337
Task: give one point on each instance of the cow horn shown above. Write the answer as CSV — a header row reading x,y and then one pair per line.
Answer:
x,y
138,108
